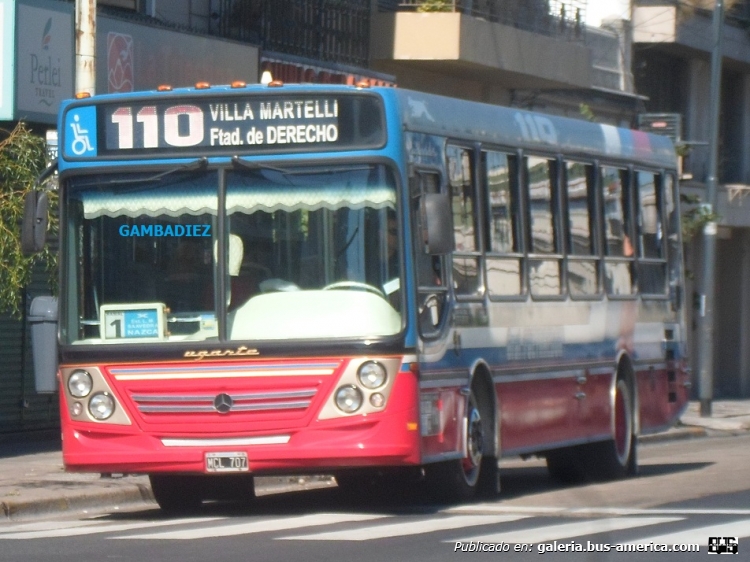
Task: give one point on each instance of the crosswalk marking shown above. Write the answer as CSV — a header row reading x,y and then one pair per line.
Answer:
x,y
73,529
569,530
276,524
499,508
463,520
404,528
700,535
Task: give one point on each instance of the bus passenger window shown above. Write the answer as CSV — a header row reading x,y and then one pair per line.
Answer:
x,y
652,266
544,270
583,270
431,292
465,256
618,246
503,263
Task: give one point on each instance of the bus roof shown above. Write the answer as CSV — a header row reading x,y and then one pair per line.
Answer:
x,y
504,127
512,127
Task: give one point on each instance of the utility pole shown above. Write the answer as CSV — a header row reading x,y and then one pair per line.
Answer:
x,y
85,46
707,297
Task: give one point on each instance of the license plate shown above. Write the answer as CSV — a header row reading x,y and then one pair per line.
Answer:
x,y
226,462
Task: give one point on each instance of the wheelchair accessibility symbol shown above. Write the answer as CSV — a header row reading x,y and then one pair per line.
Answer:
x,y
81,143
81,122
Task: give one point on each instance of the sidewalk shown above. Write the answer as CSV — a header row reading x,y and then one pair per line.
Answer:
x,y
33,481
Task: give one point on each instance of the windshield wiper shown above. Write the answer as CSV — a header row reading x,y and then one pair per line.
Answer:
x,y
240,163
307,171
199,164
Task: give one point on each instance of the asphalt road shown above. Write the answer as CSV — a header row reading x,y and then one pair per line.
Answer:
x,y
686,492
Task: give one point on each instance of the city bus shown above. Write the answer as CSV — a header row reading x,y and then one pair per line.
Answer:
x,y
360,281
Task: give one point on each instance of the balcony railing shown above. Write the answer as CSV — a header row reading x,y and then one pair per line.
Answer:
x,y
563,19
329,30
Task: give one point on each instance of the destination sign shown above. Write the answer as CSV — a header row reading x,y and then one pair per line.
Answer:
x,y
233,124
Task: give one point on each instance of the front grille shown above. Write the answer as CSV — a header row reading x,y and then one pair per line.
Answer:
x,y
298,399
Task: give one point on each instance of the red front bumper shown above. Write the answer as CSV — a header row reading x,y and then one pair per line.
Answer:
x,y
388,438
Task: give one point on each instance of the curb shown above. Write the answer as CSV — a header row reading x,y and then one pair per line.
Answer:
x,y
14,510
675,434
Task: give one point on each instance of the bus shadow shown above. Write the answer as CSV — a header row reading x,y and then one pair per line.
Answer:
x,y
517,482
522,481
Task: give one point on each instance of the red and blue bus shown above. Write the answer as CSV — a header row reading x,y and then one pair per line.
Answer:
x,y
285,278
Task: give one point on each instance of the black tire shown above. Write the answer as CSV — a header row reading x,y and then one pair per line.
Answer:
x,y
459,480
488,486
616,458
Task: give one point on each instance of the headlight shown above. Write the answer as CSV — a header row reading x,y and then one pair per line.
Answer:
x,y
101,406
349,399
372,375
80,384
377,400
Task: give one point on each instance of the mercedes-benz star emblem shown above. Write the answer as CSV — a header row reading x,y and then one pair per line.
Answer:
x,y
223,403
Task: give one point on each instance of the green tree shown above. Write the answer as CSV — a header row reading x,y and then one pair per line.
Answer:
x,y
22,159
435,6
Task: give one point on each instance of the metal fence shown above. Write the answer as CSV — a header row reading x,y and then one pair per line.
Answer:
x,y
329,30
556,18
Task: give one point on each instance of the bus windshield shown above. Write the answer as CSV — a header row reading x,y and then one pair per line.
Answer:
x,y
311,252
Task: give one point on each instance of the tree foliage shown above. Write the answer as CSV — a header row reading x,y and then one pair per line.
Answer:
x,y
22,159
435,6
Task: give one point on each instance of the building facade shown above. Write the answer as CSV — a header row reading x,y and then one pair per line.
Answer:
x,y
672,68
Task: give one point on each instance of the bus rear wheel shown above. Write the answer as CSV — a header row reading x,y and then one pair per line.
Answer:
x,y
606,460
616,458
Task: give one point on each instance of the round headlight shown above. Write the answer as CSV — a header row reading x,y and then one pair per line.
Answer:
x,y
101,406
377,400
372,375
80,384
349,399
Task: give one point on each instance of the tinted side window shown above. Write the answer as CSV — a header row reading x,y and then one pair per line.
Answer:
x,y
583,265
544,271
463,202
503,262
652,266
618,245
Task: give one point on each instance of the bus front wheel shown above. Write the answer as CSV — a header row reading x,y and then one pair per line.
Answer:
x,y
462,479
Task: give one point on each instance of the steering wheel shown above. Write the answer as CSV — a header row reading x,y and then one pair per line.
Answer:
x,y
354,285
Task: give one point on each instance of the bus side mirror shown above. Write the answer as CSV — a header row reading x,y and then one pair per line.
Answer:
x,y
35,221
437,223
